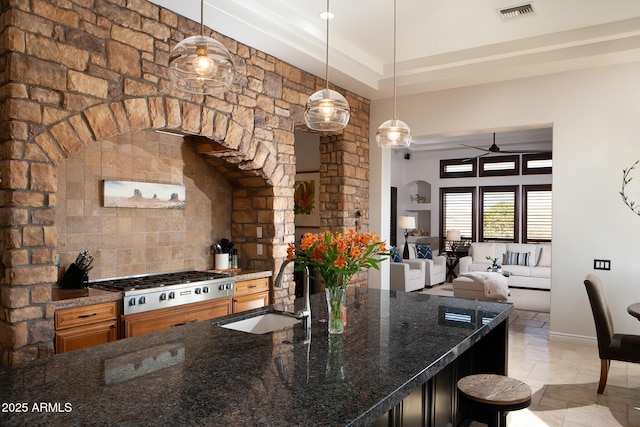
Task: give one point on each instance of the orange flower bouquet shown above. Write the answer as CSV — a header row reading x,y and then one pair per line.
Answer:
x,y
336,258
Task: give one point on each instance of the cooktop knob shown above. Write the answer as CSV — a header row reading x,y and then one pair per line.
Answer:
x,y
198,291
172,295
132,301
205,289
163,296
221,287
142,300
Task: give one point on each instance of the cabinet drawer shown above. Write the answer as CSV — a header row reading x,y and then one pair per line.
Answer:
x,y
246,287
157,320
77,316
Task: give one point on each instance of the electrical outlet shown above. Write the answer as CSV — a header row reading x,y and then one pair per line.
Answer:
x,y
259,232
602,264
259,249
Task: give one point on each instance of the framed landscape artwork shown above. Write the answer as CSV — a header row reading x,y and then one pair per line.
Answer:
x,y
129,194
306,190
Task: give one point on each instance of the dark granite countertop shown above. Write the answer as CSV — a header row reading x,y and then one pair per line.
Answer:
x,y
203,375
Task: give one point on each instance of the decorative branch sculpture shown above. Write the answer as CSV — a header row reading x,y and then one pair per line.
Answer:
x,y
626,178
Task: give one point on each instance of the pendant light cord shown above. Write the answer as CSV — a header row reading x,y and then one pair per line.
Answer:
x,y
202,18
394,59
326,57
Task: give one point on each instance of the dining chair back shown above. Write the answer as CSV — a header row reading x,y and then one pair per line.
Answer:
x,y
611,346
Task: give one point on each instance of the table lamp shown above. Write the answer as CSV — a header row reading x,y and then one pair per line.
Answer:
x,y
408,223
453,236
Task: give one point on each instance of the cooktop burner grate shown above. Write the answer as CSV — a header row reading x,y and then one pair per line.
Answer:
x,y
157,280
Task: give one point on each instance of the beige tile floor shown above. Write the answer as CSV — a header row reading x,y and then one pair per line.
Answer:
x,y
564,379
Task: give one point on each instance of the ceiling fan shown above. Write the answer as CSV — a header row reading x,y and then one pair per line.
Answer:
x,y
494,149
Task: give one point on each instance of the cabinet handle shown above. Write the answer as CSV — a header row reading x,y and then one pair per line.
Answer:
x,y
252,286
84,316
113,326
182,324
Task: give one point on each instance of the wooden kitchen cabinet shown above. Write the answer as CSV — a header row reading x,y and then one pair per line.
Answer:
x,y
250,294
86,326
157,320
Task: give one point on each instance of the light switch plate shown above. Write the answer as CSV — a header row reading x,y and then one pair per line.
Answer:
x,y
259,232
602,264
259,249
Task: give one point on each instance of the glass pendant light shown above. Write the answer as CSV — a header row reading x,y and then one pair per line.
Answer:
x,y
327,110
394,133
200,64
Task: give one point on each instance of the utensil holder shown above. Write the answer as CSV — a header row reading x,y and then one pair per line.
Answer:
x,y
74,278
222,261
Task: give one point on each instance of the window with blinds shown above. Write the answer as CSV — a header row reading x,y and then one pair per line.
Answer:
x,y
499,213
537,213
458,210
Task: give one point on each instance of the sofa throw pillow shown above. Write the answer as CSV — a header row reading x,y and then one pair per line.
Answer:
x,y
424,251
395,254
516,258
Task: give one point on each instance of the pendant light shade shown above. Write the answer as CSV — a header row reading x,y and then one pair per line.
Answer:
x,y
394,133
327,110
200,64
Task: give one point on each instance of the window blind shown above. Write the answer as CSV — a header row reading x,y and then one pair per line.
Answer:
x,y
538,216
458,212
498,215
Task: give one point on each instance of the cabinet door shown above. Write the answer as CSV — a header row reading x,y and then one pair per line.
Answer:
x,y
247,302
157,320
85,336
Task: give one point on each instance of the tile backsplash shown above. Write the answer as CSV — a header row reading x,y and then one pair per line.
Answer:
x,y
131,241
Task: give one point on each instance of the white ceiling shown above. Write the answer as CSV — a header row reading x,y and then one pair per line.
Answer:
x,y
442,44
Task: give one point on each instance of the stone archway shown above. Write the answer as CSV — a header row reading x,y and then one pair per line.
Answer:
x,y
102,73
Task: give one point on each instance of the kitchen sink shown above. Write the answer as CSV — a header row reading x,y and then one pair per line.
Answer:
x,y
262,324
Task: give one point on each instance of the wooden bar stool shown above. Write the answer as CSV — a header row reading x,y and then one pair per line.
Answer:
x,y
496,395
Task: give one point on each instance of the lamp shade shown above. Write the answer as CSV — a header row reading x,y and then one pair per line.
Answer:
x,y
407,222
393,133
201,65
453,235
327,111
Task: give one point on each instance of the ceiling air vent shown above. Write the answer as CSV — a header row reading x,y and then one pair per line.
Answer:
x,y
513,12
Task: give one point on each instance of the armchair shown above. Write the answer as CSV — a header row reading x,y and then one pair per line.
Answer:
x,y
406,277
435,269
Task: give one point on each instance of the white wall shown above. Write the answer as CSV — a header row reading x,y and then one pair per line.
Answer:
x,y
595,115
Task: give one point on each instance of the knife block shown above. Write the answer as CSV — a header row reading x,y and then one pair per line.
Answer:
x,y
74,278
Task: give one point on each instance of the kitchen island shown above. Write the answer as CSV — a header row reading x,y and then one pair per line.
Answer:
x,y
399,357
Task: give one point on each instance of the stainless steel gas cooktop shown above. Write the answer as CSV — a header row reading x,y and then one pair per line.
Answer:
x,y
156,291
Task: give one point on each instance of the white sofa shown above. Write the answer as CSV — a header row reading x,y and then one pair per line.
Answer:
x,y
406,277
435,270
536,274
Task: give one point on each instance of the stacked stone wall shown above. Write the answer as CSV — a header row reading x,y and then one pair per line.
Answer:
x,y
73,72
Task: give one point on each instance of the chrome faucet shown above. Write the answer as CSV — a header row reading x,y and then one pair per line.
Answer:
x,y
304,315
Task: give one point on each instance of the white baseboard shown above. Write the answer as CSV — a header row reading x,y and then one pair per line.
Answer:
x,y
573,339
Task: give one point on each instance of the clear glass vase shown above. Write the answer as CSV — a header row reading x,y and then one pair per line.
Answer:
x,y
336,299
